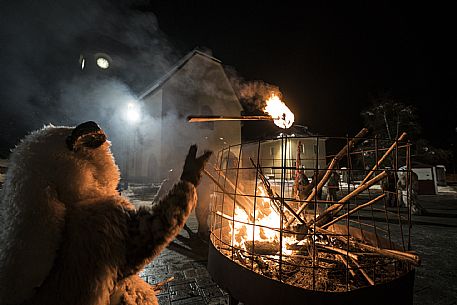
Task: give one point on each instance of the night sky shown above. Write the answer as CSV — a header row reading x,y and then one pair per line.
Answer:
x,y
328,60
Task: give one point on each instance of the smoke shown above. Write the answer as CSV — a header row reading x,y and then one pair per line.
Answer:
x,y
252,94
42,81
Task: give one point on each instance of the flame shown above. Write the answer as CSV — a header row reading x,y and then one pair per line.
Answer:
x,y
281,114
243,233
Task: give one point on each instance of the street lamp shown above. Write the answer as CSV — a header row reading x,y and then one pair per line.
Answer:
x,y
132,115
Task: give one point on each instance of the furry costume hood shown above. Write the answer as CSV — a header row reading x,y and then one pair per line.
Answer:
x,y
44,178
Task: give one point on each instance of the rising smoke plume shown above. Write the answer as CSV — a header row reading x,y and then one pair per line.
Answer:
x,y
42,42
252,94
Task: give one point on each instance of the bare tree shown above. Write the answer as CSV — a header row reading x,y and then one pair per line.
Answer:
x,y
388,117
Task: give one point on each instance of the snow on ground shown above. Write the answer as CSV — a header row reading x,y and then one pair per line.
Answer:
x,y
450,189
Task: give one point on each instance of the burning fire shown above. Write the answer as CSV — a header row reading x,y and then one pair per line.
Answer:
x,y
281,114
266,229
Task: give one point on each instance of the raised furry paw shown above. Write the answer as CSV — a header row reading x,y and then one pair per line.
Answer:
x,y
193,166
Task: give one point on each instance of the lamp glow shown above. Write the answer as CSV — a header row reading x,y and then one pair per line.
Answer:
x,y
103,63
133,113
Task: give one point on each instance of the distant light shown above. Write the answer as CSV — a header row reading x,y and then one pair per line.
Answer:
x,y
133,113
103,63
221,139
82,61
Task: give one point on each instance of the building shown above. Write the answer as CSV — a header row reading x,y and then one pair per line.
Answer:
x,y
273,151
197,84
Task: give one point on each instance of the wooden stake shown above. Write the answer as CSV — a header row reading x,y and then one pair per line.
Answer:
x,y
375,167
273,195
353,211
322,180
397,254
335,208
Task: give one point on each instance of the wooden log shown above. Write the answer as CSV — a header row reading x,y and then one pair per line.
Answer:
x,y
354,210
262,247
410,257
335,208
386,154
326,175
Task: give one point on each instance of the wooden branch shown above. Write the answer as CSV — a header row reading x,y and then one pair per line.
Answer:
x,y
157,287
273,195
242,198
228,194
345,262
354,210
322,180
338,250
335,208
375,167
364,273
397,254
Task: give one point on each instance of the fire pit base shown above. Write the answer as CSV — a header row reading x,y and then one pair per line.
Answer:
x,y
252,288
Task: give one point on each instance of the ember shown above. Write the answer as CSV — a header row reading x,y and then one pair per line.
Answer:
x,y
331,245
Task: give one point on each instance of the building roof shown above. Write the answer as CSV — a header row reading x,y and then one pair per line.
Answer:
x,y
175,69
298,131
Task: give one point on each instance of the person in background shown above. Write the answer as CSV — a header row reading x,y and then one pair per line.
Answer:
x,y
333,186
301,183
402,188
389,187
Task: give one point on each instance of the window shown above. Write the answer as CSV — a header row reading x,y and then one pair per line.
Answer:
x,y
272,151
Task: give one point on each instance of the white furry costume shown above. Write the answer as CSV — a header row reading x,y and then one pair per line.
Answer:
x,y
67,237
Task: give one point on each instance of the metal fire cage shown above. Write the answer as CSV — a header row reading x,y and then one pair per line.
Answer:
x,y
339,234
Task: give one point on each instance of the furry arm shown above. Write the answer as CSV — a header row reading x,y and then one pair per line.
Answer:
x,y
151,229
106,241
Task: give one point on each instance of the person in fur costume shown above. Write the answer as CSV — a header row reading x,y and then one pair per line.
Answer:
x,y
67,236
